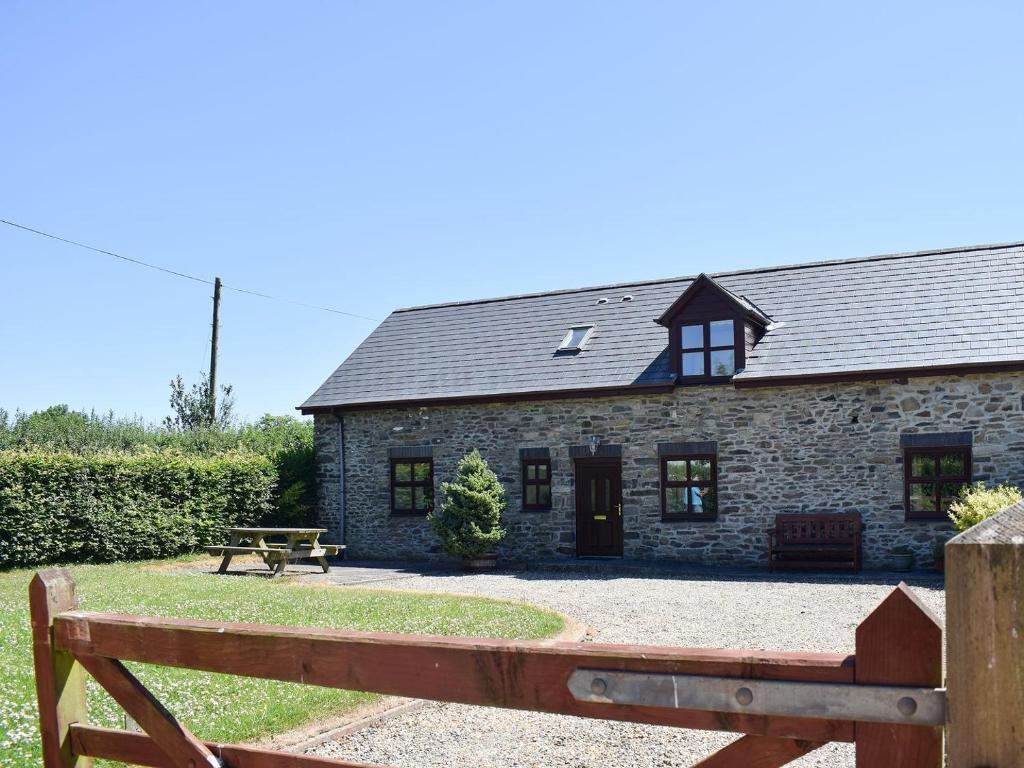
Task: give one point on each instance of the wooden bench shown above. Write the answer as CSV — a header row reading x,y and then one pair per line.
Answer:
x,y
806,542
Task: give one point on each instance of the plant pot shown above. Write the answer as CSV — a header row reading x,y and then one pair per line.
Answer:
x,y
486,562
902,563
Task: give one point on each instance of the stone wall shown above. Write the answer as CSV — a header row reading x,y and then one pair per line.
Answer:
x,y
330,481
810,448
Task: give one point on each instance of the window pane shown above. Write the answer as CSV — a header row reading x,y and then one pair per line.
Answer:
x,y
403,498
721,333
703,500
676,471
403,472
420,499
531,494
575,338
544,497
531,471
675,501
953,464
922,497
700,469
542,471
723,362
693,363
693,336
950,492
922,466
422,471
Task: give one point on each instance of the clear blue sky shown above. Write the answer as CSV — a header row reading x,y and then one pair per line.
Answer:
x,y
372,155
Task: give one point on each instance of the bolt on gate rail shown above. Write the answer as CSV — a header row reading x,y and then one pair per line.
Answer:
x,y
886,698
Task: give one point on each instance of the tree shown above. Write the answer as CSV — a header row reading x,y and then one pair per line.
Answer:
x,y
192,407
57,428
469,520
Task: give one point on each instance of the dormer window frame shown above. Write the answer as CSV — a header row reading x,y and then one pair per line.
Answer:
x,y
738,347
708,347
702,303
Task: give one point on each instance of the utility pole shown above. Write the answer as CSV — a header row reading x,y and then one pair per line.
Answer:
x,y
213,351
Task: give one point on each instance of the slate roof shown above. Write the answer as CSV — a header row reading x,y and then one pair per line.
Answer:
x,y
953,307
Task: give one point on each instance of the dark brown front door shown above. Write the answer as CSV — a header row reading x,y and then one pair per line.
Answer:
x,y
598,507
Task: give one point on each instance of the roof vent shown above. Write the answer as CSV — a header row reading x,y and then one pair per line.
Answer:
x,y
627,297
602,301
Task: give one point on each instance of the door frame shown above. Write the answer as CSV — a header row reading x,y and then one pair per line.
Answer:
x,y
611,462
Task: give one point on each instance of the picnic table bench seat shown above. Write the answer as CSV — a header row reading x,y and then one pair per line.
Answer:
x,y
818,541
302,543
326,550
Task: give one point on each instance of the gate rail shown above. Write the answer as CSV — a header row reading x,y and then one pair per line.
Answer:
x,y
885,698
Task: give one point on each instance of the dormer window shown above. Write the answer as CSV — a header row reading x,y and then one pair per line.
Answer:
x,y
708,349
711,330
575,338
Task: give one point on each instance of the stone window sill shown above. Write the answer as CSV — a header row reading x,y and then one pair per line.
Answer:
x,y
533,510
689,518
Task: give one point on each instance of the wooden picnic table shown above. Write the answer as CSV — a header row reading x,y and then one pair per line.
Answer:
x,y
300,543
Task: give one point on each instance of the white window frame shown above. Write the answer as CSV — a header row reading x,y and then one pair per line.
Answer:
x,y
565,346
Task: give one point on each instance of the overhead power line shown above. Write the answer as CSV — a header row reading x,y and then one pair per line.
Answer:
x,y
184,275
108,253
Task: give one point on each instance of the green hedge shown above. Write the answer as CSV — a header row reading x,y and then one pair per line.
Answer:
x,y
61,508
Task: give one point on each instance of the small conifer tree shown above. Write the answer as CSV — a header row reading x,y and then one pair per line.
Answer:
x,y
468,521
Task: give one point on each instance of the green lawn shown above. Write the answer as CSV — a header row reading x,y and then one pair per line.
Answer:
x,y
219,707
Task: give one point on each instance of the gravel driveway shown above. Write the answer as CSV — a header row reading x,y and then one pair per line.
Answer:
x,y
780,613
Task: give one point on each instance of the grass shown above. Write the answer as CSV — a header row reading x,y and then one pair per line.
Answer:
x,y
221,707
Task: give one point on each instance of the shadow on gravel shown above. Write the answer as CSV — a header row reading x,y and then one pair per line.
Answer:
x,y
355,572
609,570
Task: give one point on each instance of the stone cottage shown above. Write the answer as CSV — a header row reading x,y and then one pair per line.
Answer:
x,y
674,419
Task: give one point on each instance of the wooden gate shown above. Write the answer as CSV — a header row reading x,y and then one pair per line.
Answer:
x,y
885,698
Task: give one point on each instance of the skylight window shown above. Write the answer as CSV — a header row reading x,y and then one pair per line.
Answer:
x,y
575,338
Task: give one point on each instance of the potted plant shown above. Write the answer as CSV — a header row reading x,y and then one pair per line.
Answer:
x,y
903,559
468,520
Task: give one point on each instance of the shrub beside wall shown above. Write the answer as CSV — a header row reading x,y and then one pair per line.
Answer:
x,y
60,508
978,502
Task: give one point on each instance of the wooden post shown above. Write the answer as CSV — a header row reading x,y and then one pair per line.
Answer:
x,y
60,680
985,651
900,643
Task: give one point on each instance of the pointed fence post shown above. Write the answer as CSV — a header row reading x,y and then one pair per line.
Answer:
x,y
899,643
60,680
985,636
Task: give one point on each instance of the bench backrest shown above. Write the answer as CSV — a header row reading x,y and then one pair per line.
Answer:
x,y
807,529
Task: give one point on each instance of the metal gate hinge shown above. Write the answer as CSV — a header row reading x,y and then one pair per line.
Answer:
x,y
829,701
